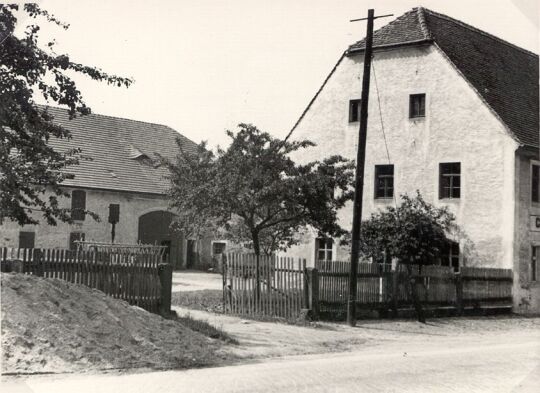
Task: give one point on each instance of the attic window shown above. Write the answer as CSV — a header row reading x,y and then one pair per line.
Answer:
x,y
417,105
354,111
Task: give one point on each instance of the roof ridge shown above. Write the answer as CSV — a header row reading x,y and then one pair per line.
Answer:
x,y
475,29
422,22
111,117
402,16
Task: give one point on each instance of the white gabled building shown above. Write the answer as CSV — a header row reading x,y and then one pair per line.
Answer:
x,y
459,108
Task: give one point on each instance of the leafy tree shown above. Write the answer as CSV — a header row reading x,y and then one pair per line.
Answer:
x,y
415,232
29,166
254,191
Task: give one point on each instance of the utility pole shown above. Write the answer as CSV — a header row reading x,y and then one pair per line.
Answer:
x,y
360,163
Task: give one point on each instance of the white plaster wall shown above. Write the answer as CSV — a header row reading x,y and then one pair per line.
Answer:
x,y
526,291
457,127
132,206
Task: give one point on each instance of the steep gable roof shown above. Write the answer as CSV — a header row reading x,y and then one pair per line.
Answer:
x,y
504,75
118,154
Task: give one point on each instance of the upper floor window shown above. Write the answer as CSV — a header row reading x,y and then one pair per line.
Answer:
x,y
78,205
534,263
535,183
27,239
384,181
417,105
450,180
324,249
354,111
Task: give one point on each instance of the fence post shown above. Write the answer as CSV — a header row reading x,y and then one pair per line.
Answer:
x,y
312,292
165,278
38,263
395,276
459,293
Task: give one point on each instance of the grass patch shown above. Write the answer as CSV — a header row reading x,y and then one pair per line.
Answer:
x,y
206,300
203,327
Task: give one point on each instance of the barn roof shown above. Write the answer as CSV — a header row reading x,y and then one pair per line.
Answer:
x,y
118,154
503,74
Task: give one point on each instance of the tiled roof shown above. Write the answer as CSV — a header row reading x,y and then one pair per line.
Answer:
x,y
505,75
118,154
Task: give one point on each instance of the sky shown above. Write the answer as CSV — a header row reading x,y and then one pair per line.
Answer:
x,y
203,66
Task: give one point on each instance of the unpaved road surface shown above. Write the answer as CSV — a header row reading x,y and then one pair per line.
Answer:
x,y
442,365
196,281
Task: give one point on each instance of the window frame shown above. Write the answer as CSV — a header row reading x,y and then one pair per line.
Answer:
x,y
451,175
72,240
377,176
414,111
328,248
78,213
352,110
451,254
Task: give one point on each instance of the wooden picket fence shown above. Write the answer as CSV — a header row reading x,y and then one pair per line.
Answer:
x,y
279,292
141,279
381,288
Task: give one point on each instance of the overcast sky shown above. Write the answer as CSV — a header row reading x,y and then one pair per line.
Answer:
x,y
203,66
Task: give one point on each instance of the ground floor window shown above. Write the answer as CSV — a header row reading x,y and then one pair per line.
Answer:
x,y
534,263
450,255
27,239
324,249
75,237
218,248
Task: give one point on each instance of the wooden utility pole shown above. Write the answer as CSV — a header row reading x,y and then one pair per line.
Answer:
x,y
360,163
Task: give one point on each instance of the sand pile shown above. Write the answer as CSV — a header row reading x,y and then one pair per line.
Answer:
x,y
49,325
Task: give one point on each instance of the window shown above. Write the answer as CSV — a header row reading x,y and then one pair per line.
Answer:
x,y
384,181
324,249
218,248
535,183
78,205
450,180
75,237
417,105
27,239
534,263
450,255
354,111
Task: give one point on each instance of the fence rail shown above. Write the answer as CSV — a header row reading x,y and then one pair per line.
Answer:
x,y
141,279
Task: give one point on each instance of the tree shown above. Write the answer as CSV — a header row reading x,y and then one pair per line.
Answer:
x,y
415,232
254,190
29,166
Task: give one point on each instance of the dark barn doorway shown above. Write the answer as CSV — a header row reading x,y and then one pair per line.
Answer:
x,y
154,228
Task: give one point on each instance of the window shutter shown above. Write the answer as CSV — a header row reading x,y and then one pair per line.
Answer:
x,y
27,239
78,205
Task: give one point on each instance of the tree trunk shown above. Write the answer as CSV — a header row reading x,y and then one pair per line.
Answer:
x,y
257,249
414,294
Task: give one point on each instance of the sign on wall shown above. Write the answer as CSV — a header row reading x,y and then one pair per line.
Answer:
x,y
535,223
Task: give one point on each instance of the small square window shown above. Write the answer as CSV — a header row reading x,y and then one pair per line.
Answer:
x,y
450,180
535,183
27,239
324,249
417,105
75,237
384,181
354,111
218,248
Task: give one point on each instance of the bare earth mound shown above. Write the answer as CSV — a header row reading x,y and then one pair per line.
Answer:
x,y
49,325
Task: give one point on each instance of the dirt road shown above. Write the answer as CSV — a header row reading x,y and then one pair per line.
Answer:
x,y
443,364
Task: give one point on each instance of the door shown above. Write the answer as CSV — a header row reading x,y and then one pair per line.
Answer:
x,y
191,256
155,228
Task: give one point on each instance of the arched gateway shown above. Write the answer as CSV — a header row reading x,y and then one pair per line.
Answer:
x,y
154,228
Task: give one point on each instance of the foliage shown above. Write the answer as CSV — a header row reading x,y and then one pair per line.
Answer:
x,y
254,190
415,231
29,166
